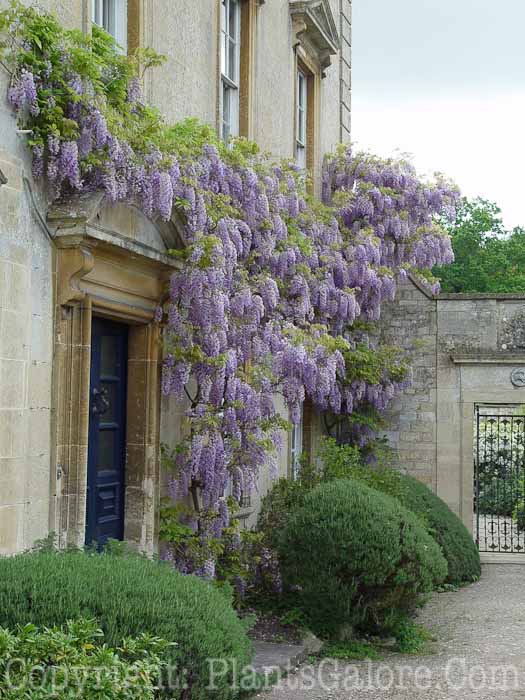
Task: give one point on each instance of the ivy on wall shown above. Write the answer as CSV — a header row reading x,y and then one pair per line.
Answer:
x,y
276,290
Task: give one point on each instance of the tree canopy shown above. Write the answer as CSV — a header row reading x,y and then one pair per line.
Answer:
x,y
488,258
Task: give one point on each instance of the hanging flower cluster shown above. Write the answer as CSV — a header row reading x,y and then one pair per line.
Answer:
x,y
274,289
267,301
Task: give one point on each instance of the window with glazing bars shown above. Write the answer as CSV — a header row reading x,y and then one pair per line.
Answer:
x,y
230,67
301,118
296,446
112,15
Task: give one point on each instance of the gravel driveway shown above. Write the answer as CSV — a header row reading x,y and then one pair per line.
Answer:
x,y
479,652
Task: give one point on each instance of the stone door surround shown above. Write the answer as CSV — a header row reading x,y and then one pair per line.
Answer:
x,y
101,271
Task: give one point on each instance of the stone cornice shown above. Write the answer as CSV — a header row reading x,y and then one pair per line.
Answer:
x,y
489,358
472,296
314,26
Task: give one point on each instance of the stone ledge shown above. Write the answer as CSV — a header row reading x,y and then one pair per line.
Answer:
x,y
501,558
489,358
476,296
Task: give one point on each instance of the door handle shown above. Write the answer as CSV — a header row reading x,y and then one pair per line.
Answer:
x,y
99,401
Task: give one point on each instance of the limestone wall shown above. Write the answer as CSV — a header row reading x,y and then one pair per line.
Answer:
x,y
29,334
26,349
410,323
187,85
464,349
480,343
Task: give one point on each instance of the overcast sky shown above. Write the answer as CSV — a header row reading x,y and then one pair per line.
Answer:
x,y
445,81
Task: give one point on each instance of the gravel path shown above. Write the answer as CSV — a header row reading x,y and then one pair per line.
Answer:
x,y
479,652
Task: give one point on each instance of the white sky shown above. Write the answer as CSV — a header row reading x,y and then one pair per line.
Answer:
x,y
444,80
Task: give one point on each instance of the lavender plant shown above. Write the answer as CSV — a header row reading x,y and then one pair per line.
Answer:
x,y
274,289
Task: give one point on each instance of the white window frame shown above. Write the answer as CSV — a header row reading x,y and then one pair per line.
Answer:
x,y
112,15
230,67
301,118
296,445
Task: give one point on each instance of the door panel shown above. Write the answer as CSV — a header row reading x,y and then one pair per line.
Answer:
x,y
107,432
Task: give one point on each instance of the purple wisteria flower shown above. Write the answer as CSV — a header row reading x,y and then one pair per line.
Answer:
x,y
23,93
267,289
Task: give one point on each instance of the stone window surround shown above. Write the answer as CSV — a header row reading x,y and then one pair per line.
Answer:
x,y
315,40
101,273
309,435
249,12
136,24
308,67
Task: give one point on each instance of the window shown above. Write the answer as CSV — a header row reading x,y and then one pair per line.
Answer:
x,y
246,500
301,119
296,446
230,67
112,15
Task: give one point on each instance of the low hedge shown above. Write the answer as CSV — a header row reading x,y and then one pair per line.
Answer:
x,y
127,596
359,558
450,533
72,661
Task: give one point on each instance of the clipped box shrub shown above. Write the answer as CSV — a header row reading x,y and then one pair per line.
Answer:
x,y
456,542
450,533
361,560
128,596
285,496
72,662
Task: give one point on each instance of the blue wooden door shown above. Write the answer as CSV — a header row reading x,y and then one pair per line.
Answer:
x,y
107,432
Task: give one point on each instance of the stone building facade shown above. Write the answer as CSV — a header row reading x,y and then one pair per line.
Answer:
x,y
68,272
468,352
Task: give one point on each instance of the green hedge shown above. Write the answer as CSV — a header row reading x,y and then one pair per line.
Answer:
x,y
72,662
341,461
282,499
128,596
360,559
455,540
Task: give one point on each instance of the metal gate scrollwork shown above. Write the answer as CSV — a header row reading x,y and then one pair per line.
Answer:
x,y
499,479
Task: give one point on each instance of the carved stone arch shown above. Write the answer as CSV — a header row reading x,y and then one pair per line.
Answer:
x,y
172,231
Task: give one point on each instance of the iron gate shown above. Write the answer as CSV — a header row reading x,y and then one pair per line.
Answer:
x,y
499,479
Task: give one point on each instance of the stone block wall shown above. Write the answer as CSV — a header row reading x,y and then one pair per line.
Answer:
x,y
27,471
480,343
410,323
464,349
32,457
26,341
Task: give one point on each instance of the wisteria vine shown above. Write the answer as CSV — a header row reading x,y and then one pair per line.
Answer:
x,y
274,290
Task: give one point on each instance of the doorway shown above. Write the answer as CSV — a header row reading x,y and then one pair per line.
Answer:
x,y
107,432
